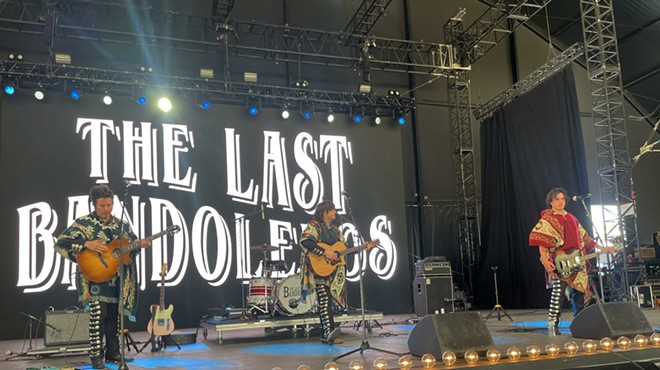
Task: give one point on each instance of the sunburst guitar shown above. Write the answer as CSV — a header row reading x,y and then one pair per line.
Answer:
x,y
322,266
161,322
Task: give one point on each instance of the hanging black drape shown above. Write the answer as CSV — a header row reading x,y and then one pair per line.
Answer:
x,y
529,146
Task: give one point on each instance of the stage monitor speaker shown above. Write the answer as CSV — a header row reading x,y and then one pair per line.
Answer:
x,y
610,320
433,294
66,327
456,332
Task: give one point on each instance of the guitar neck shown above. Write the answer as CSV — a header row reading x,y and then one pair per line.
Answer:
x,y
137,244
591,255
352,250
162,294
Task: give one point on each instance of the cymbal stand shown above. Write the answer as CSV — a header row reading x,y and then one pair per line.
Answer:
x,y
365,343
497,307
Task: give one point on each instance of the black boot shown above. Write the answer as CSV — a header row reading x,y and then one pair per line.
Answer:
x,y
97,363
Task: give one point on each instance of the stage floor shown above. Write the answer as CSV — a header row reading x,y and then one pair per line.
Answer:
x,y
263,349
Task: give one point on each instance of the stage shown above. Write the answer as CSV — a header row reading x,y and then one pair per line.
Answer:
x,y
262,348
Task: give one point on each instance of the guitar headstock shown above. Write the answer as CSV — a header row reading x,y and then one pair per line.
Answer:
x,y
173,230
163,270
371,244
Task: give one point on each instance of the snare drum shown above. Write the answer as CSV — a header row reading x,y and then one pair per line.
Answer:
x,y
261,291
288,297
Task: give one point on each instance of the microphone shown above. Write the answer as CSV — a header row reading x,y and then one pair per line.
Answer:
x,y
581,197
127,183
263,212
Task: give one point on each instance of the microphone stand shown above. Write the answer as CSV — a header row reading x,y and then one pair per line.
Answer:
x,y
122,335
365,343
598,237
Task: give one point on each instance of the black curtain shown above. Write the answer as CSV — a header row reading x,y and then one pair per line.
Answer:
x,y
529,146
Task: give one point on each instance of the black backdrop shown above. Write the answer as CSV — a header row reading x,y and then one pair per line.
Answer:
x,y
528,147
45,163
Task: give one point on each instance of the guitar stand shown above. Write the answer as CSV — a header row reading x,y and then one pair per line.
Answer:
x,y
130,342
165,339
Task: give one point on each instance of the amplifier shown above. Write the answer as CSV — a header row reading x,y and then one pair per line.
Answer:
x,y
66,327
433,295
432,268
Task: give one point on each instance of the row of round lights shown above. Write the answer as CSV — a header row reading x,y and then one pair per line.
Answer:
x,y
513,353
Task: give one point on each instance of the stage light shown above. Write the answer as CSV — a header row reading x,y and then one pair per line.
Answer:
x,y
107,99
471,357
254,105
202,101
307,110
655,339
378,120
356,365
39,93
75,93
606,344
165,104
364,88
356,114
144,68
393,93
9,88
304,367
513,353
533,351
493,355
589,346
405,362
206,73
330,117
623,343
428,361
380,364
285,112
14,56
400,116
552,350
571,348
331,366
640,341
61,58
448,358
250,77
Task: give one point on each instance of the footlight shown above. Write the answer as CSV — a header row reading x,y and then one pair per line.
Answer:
x,y
356,365
552,350
331,366
405,362
640,341
471,357
623,343
571,347
533,352
449,358
655,339
304,367
589,346
606,344
380,364
513,353
428,361
493,355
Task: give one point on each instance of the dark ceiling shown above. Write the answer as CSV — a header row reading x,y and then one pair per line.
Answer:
x,y
638,32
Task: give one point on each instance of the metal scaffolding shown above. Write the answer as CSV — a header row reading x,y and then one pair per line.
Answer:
x,y
614,170
366,16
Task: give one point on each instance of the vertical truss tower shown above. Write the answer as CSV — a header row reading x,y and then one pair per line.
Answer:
x,y
614,169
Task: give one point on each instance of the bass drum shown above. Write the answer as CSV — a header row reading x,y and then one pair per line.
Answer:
x,y
288,298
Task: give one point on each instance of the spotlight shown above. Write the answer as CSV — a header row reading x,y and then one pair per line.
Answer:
x,y
301,84
9,88
364,88
378,120
14,56
285,112
307,110
107,99
330,117
356,114
250,77
165,104
75,93
254,106
206,73
202,101
139,96
39,93
400,116
393,93
144,68
142,100
61,58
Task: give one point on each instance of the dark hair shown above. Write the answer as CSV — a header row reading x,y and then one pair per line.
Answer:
x,y
322,208
553,193
100,191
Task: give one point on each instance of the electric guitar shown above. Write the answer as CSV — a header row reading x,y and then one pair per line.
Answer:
x,y
566,264
161,322
100,267
324,267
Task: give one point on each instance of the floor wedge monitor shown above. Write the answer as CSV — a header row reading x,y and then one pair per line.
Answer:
x,y
610,320
456,332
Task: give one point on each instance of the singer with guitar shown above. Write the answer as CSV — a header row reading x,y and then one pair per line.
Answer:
x,y
322,244
91,235
556,233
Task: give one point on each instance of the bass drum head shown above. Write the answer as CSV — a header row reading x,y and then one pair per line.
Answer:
x,y
288,297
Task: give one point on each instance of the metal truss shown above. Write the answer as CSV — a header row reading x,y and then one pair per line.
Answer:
x,y
107,22
366,16
614,169
458,88
494,25
534,79
222,10
59,77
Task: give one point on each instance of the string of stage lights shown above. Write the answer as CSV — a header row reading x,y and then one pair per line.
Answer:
x,y
145,86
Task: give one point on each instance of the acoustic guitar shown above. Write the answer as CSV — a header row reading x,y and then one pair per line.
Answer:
x,y
100,267
566,264
161,322
324,267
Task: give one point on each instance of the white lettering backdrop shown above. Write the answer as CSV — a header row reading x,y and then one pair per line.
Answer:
x,y
229,181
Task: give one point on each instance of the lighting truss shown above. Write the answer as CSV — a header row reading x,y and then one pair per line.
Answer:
x,y
111,22
613,158
366,16
534,79
122,83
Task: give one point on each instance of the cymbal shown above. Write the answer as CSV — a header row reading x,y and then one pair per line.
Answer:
x,y
264,247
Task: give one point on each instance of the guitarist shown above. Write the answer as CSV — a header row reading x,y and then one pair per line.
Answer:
x,y
558,230
321,230
101,300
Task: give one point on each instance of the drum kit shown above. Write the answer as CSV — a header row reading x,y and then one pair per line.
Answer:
x,y
269,296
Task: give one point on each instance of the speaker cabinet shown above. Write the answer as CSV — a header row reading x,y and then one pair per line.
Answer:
x,y
67,327
433,294
456,332
610,320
